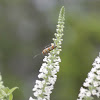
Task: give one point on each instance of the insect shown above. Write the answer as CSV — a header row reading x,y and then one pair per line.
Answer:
x,y
47,50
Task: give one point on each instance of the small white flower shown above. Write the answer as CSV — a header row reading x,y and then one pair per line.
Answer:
x,y
45,71
47,90
88,94
98,72
31,98
39,92
39,98
36,94
83,90
58,52
93,69
93,92
41,75
39,84
53,72
44,65
35,88
57,68
98,94
42,68
52,80
95,84
98,89
98,77
44,99
50,67
89,80
38,81
47,97
91,75
56,63
45,59
97,66
86,84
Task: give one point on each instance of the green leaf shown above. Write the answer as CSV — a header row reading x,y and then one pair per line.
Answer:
x,y
10,97
6,89
11,90
2,92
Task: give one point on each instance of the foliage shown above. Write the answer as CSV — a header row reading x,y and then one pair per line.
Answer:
x,y
5,92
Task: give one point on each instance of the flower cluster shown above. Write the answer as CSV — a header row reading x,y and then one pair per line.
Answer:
x,y
50,67
92,83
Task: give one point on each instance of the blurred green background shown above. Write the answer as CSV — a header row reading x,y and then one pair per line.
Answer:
x,y
27,26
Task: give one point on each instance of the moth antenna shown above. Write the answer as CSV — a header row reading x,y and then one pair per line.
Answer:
x,y
37,55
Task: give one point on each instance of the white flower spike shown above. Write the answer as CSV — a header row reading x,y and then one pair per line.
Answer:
x,y
92,83
50,67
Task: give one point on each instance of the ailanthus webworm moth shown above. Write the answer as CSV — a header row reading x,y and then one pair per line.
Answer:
x,y
47,50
